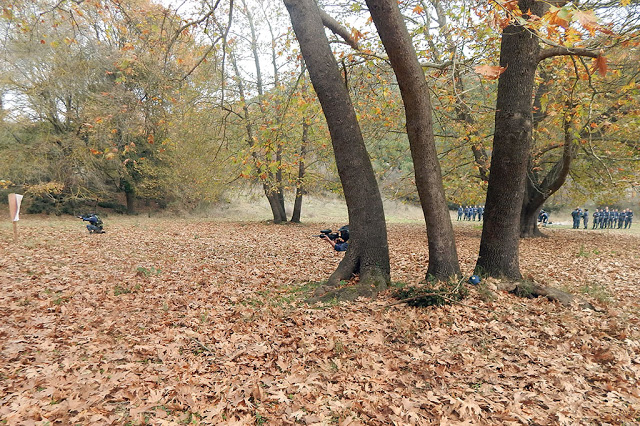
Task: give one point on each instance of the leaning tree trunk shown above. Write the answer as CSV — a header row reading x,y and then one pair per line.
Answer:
x,y
274,199
443,257
499,245
297,204
368,252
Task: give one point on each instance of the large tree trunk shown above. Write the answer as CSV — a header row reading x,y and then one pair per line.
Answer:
x,y
368,252
499,245
443,257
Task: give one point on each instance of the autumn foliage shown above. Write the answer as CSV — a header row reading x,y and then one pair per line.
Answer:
x,y
176,322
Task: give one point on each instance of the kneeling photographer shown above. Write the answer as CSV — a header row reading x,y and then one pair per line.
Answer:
x,y
338,240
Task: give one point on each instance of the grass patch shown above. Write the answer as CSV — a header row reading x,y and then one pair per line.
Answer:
x,y
597,291
145,272
294,293
432,293
118,290
59,300
582,252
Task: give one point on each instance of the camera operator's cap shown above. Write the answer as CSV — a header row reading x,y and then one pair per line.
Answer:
x,y
474,279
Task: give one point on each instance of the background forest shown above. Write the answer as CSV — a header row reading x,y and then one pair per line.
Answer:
x,y
132,105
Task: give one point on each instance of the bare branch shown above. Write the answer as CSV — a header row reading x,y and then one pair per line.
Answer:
x,y
338,29
566,51
438,66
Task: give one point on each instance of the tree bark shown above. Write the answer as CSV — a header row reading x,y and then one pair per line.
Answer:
x,y
531,206
499,245
443,257
277,210
297,204
129,195
368,252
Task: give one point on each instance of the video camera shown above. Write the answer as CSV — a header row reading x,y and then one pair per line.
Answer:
x,y
343,233
328,233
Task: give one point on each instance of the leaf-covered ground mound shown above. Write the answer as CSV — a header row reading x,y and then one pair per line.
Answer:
x,y
185,322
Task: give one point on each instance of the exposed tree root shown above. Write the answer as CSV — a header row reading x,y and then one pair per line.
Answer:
x,y
531,290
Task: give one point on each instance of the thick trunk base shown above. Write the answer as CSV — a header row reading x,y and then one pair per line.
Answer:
x,y
340,286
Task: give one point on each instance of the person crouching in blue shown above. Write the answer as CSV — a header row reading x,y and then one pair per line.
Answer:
x,y
95,223
340,243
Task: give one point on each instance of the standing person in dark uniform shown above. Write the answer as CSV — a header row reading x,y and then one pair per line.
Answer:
x,y
576,217
480,213
460,212
474,212
621,217
596,218
604,217
613,218
585,218
628,219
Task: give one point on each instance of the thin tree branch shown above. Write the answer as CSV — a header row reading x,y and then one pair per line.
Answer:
x,y
566,51
338,29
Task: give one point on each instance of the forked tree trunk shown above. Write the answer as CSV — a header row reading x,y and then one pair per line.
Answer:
x,y
443,257
499,245
538,191
529,214
277,210
368,252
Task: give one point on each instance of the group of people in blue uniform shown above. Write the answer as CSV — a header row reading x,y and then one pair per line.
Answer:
x,y
603,218
470,213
